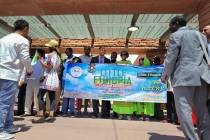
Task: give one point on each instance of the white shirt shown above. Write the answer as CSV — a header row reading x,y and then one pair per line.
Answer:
x,y
52,80
85,59
14,56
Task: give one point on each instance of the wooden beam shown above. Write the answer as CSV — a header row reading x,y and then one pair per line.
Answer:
x,y
63,7
166,34
133,23
48,26
89,26
4,25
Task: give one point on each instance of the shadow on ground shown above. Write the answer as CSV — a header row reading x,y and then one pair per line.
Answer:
x,y
24,128
18,119
156,136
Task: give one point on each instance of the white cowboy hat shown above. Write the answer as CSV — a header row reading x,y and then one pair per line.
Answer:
x,y
52,44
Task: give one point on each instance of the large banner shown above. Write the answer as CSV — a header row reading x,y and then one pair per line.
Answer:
x,y
115,82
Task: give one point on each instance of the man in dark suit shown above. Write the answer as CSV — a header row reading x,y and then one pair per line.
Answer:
x,y
106,106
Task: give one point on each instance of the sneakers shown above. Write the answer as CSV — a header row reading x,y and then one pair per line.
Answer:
x,y
72,114
25,115
43,120
85,114
147,119
129,118
50,119
40,120
141,118
6,136
120,117
94,116
65,115
13,130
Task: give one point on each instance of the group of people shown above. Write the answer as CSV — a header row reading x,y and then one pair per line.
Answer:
x,y
47,75
42,80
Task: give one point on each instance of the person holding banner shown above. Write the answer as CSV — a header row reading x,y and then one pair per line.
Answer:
x,y
86,58
106,105
145,110
159,107
79,100
68,103
113,57
123,109
190,76
50,81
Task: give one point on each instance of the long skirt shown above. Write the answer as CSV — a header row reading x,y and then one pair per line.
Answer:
x,y
146,108
124,108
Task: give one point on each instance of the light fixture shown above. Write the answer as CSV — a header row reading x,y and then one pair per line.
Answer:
x,y
47,25
133,28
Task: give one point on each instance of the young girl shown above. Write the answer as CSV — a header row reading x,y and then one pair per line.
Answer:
x,y
124,109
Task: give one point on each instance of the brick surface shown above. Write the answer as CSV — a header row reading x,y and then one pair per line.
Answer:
x,y
204,14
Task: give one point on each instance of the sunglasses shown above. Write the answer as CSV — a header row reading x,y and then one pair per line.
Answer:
x,y
205,30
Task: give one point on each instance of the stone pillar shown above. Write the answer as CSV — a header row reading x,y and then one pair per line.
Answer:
x,y
204,13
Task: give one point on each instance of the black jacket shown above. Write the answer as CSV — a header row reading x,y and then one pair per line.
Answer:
x,y
96,60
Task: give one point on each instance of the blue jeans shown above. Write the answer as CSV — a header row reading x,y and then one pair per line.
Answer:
x,y
8,89
68,103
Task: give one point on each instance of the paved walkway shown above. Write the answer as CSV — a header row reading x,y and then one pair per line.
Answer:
x,y
97,129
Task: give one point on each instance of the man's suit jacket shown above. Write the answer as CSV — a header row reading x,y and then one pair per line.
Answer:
x,y
185,59
96,60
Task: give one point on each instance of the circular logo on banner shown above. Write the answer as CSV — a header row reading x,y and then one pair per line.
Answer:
x,y
76,71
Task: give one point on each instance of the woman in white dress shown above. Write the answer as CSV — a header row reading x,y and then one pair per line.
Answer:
x,y
50,81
